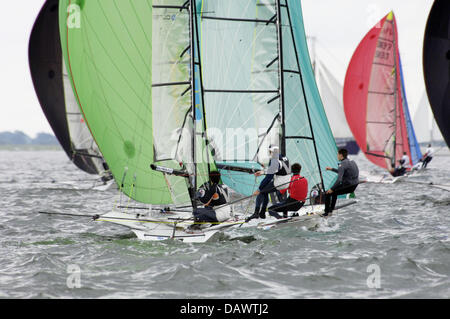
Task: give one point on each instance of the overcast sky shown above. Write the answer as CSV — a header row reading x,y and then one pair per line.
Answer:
x,y
338,25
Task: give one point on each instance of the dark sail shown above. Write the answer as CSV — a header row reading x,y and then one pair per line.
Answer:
x,y
436,64
46,67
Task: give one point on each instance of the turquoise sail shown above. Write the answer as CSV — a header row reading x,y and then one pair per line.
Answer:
x,y
309,139
259,90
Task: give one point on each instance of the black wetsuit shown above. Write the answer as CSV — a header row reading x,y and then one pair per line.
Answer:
x,y
401,170
347,182
205,194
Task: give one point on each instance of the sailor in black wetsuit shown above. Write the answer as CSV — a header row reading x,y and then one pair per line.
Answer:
x,y
346,183
278,165
404,165
212,194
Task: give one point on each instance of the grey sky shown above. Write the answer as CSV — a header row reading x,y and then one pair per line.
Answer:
x,y
338,25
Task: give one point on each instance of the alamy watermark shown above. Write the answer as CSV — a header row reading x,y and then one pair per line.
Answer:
x,y
74,278
74,16
230,143
374,279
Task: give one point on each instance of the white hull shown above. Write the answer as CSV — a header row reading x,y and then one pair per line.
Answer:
x,y
156,226
309,217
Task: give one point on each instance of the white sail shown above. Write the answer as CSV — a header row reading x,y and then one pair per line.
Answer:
x,y
236,58
332,98
81,138
424,122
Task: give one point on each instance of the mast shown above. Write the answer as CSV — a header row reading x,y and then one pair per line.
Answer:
x,y
395,88
199,63
281,78
193,179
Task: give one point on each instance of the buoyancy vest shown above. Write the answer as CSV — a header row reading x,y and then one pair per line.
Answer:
x,y
285,167
208,189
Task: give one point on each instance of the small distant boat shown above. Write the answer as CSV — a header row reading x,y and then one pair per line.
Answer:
x,y
56,96
436,64
375,101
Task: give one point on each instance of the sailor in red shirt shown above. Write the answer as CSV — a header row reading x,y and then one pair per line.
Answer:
x,y
298,190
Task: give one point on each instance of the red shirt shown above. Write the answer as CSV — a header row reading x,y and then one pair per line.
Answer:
x,y
298,188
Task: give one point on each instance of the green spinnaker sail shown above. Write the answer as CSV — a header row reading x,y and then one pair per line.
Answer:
x,y
260,90
135,69
107,46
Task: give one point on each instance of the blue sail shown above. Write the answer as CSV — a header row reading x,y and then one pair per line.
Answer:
x,y
414,147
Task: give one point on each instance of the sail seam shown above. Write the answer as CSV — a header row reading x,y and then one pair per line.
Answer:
x,y
239,91
170,84
238,19
156,6
299,137
381,93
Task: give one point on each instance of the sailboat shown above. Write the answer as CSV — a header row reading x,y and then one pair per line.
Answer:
x,y
56,97
331,92
375,101
427,131
436,64
155,79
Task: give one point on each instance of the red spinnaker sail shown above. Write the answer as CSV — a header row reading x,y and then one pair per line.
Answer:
x,y
373,101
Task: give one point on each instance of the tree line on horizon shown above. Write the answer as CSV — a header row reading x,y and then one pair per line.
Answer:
x,y
21,138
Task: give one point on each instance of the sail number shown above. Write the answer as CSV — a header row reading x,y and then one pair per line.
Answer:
x,y
383,50
382,55
384,45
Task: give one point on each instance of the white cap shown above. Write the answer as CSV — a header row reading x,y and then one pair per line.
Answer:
x,y
274,149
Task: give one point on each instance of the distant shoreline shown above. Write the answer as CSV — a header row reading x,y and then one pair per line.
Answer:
x,y
28,147
20,139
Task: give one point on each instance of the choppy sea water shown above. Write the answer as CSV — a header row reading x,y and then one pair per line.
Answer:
x,y
393,244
